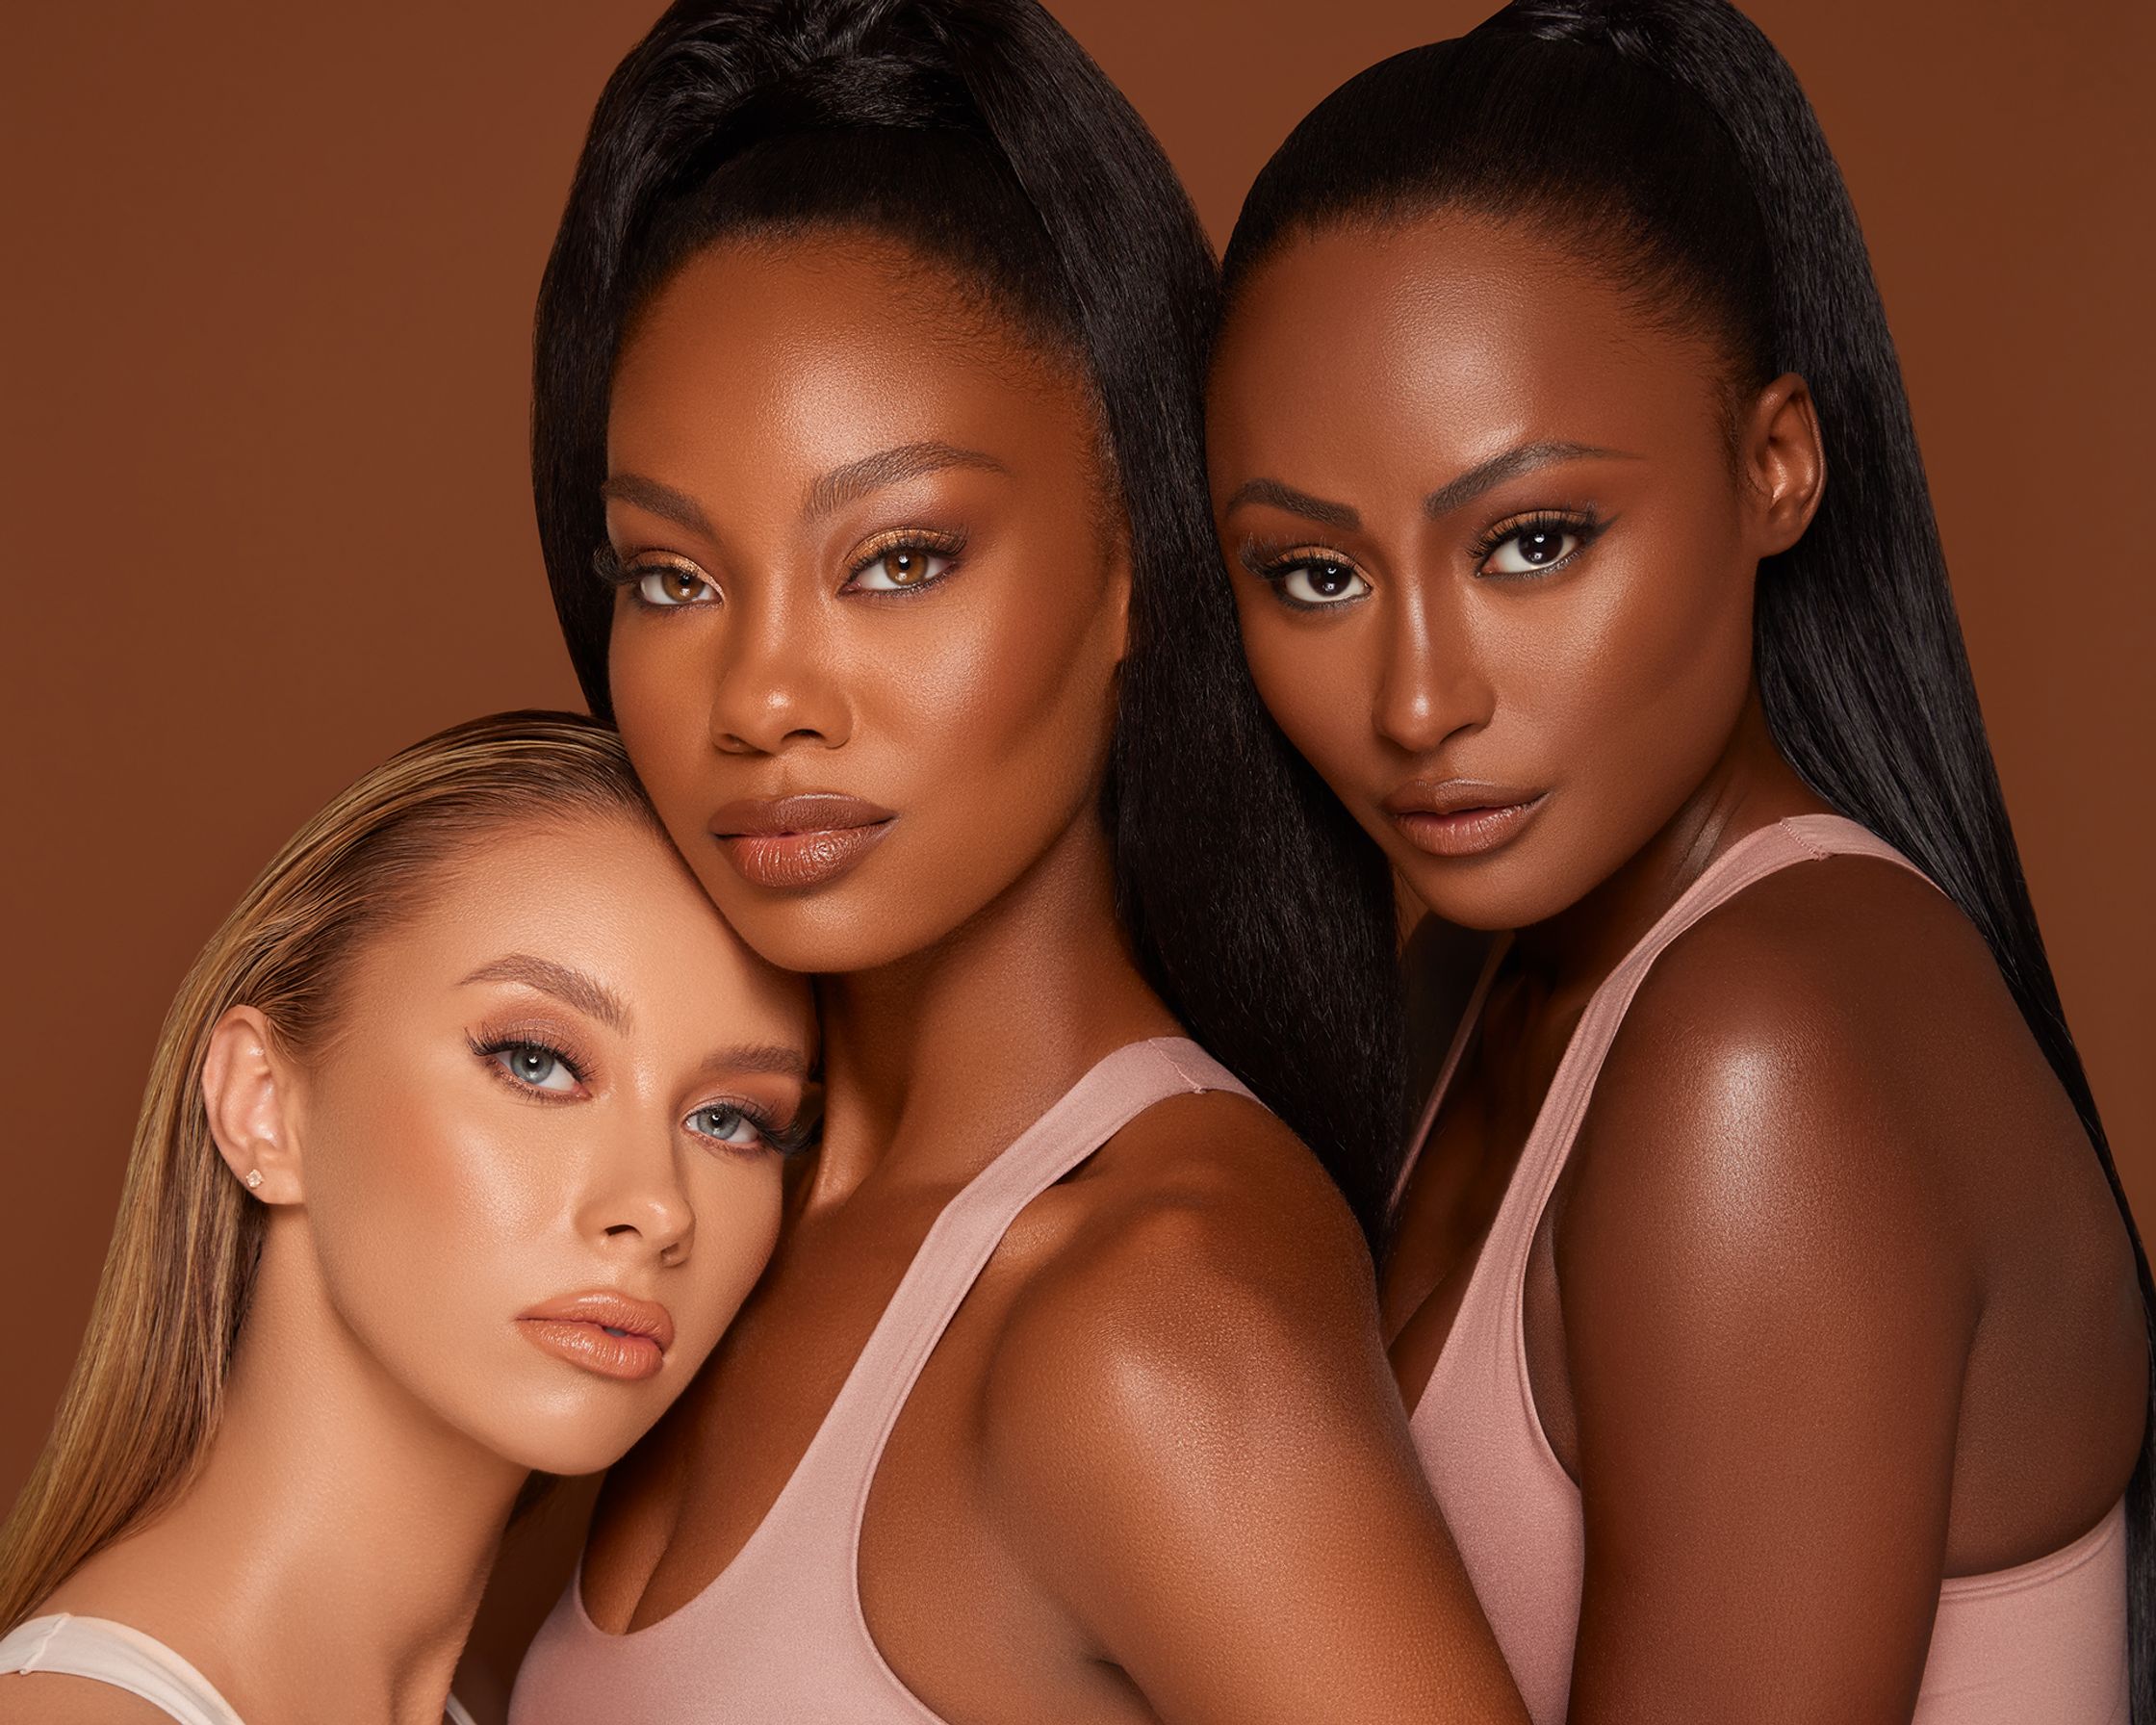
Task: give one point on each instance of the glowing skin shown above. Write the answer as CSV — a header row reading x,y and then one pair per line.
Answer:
x,y
1830,1300
1606,677
909,601
436,1175
448,1193
870,612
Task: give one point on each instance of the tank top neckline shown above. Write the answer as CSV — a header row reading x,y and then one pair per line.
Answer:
x,y
899,1345
104,1649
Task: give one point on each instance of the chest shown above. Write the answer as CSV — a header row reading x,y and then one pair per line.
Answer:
x,y
949,1604
1464,1178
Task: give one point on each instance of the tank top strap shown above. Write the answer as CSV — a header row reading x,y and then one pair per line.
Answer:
x,y
1799,838
1470,1016
111,1652
843,1456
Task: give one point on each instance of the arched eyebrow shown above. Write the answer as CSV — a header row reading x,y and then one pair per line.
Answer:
x,y
841,485
662,501
1456,494
571,987
1296,503
774,1058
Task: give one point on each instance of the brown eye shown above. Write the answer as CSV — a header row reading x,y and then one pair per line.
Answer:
x,y
672,584
898,567
1320,582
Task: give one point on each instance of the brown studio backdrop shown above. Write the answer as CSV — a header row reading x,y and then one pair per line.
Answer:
x,y
267,314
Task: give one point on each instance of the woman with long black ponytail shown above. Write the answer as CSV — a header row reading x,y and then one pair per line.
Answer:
x,y
1775,1325
869,469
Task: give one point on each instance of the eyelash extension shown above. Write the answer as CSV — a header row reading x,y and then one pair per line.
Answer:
x,y
950,547
486,1047
789,1137
1583,523
607,566
1272,562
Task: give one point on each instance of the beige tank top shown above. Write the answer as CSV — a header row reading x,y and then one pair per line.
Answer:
x,y
2043,1644
105,1652
780,1635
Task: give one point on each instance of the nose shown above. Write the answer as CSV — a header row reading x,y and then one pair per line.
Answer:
x,y
1430,681
776,685
637,1203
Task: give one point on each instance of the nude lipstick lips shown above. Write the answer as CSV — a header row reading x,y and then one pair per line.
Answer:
x,y
609,1333
789,844
1461,817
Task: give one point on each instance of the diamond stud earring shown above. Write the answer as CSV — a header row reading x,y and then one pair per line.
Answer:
x,y
255,1178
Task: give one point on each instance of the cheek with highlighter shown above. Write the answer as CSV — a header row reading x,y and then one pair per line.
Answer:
x,y
441,1214
1617,689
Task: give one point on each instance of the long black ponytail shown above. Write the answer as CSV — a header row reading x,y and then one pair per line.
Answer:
x,y
979,133
1672,142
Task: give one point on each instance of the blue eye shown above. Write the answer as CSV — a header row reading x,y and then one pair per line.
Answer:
x,y
535,1066
729,1125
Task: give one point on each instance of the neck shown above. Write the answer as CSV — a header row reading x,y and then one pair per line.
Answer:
x,y
1750,787
937,1060
326,1560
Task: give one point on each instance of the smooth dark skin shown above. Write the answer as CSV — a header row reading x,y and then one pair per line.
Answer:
x,y
1157,1469
1832,1300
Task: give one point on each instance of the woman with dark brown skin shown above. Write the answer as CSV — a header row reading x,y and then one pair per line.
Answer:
x,y
870,483
1775,1345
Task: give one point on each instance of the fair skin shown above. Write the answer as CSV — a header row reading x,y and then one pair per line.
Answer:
x,y
561,1075
1158,1454
1832,1300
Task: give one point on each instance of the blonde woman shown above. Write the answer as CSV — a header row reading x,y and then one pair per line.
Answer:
x,y
461,1145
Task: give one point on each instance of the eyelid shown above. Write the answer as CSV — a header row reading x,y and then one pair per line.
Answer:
x,y
607,564
936,542
497,1039
787,1137
1270,559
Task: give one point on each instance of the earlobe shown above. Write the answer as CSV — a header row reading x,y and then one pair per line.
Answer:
x,y
246,1089
1786,462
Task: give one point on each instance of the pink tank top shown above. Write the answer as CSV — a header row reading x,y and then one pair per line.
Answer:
x,y
780,1635
2040,1643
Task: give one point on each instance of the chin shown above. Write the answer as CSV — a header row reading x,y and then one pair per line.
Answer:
x,y
565,1446
1492,896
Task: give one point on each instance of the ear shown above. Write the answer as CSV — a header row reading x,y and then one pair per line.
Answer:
x,y
1119,584
1784,463
251,1092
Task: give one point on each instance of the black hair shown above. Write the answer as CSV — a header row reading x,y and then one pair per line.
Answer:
x,y
1671,143
979,133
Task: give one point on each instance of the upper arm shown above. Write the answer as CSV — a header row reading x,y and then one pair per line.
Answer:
x,y
1767,1314
49,1698
1209,1466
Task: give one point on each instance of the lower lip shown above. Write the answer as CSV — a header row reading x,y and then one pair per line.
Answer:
x,y
1470,832
631,1358
788,861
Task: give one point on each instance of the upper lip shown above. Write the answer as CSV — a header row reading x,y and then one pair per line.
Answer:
x,y
611,1310
807,812
1454,796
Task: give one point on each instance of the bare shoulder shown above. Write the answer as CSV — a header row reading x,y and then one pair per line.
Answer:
x,y
1839,1026
1212,1277
1823,1093
1202,1198
48,1698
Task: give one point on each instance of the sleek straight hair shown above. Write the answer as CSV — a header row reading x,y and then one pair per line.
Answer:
x,y
148,1385
1668,142
977,133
